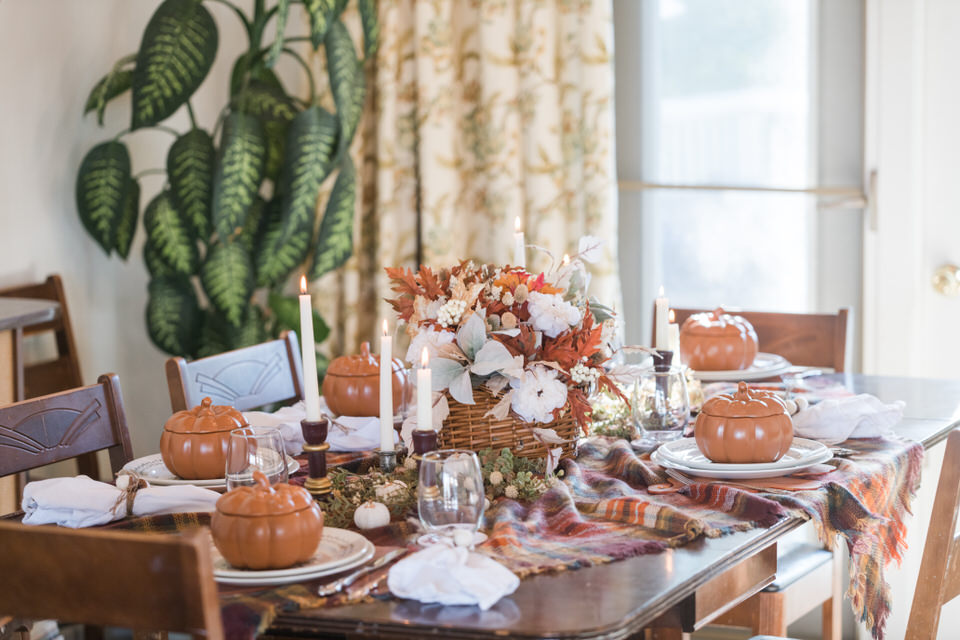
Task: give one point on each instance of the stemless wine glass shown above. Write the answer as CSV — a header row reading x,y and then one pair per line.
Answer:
x,y
255,449
661,406
450,495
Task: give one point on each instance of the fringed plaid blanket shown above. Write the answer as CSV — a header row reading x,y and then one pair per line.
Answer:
x,y
602,511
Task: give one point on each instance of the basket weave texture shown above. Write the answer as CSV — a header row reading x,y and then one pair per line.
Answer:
x,y
467,428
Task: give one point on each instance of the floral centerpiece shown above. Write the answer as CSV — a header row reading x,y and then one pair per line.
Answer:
x,y
534,342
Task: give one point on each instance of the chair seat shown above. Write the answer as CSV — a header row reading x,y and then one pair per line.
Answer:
x,y
798,562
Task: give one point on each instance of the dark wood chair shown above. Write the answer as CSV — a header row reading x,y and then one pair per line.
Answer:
x,y
140,581
245,378
805,339
64,425
939,579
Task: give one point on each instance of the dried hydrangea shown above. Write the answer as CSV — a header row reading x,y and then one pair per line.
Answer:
x,y
584,374
450,313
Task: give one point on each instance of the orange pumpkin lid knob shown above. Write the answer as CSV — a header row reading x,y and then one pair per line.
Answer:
x,y
745,402
205,418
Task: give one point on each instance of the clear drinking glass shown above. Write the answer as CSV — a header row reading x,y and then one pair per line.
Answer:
x,y
661,407
450,495
255,449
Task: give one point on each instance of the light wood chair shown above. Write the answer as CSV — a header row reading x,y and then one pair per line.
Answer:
x,y
64,425
244,378
140,581
939,579
805,339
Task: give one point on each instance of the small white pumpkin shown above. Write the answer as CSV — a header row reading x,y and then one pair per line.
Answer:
x,y
371,515
391,490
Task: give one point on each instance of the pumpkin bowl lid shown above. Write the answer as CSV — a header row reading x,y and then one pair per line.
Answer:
x,y
360,365
713,323
262,499
745,403
205,418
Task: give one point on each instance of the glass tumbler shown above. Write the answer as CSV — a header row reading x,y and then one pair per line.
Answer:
x,y
450,494
661,407
255,449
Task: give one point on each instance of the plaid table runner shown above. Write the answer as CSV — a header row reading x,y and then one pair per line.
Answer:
x,y
601,512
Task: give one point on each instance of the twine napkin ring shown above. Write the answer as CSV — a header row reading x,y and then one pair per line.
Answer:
x,y
129,482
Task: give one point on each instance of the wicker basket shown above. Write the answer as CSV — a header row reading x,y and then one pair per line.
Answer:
x,y
467,428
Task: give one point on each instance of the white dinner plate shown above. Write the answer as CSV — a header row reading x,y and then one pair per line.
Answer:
x,y
685,452
156,473
339,550
732,472
765,365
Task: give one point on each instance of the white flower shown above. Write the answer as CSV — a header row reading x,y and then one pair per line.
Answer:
x,y
449,314
537,393
496,478
511,492
550,314
430,338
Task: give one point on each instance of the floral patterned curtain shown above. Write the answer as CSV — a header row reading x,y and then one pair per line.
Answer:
x,y
480,111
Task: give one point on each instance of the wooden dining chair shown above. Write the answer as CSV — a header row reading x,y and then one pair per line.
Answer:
x,y
141,581
64,425
805,339
244,378
939,580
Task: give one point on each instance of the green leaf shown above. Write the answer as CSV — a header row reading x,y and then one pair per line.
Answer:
x,y
127,225
371,27
169,236
218,335
251,64
322,13
239,172
190,164
335,240
346,81
283,10
173,315
227,278
176,53
276,110
109,87
155,264
256,220
286,313
311,140
101,191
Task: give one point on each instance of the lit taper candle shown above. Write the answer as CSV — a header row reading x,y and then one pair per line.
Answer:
x,y
386,390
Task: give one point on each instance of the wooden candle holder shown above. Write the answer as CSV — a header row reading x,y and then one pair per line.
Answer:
x,y
315,436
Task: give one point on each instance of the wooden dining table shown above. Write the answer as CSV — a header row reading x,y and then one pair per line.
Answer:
x,y
679,589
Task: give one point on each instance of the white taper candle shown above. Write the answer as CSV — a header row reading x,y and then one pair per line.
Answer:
x,y
386,390
308,351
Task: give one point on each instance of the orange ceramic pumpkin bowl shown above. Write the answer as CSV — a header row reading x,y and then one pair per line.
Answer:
x,y
744,427
717,341
264,527
351,385
194,441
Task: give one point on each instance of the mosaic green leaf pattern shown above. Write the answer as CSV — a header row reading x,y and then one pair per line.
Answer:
x,y
322,15
175,55
127,224
173,315
335,240
286,313
227,278
240,169
190,164
156,267
101,191
371,26
109,87
168,234
346,81
275,110
283,11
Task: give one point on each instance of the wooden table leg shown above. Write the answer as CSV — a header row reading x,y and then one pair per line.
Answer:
x,y
8,393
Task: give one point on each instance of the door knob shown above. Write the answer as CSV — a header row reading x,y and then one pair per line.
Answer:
x,y
946,280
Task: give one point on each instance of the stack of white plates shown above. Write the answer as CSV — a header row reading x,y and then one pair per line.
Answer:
x,y
156,473
339,550
684,455
765,365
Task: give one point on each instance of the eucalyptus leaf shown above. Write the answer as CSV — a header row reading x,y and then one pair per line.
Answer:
x,y
173,315
127,225
461,388
115,83
346,81
101,191
175,55
168,234
227,277
190,166
239,171
491,357
322,14
335,240
472,335
444,371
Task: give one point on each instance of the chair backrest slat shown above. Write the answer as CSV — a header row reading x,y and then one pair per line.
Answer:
x,y
244,378
140,581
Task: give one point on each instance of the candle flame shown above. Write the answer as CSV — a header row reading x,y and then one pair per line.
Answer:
x,y
424,358
303,284
566,259
661,292
672,316
517,226
384,326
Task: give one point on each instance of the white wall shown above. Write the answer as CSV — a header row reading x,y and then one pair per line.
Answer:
x,y
51,54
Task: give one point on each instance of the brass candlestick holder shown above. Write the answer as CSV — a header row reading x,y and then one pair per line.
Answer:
x,y
315,435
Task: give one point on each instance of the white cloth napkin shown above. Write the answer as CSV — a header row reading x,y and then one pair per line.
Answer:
x,y
833,421
84,502
356,434
451,575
